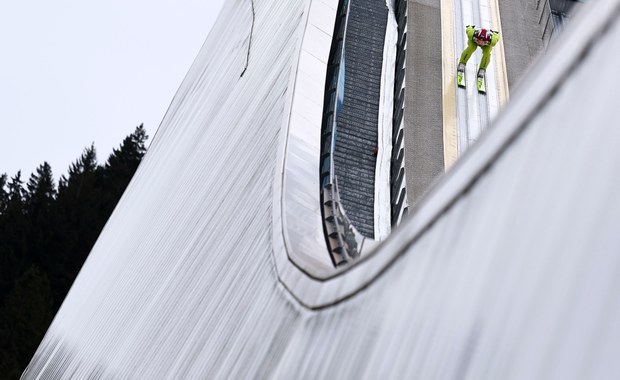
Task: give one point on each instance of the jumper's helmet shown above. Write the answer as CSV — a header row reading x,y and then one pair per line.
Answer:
x,y
482,34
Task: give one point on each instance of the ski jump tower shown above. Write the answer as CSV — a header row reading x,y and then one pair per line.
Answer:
x,y
243,249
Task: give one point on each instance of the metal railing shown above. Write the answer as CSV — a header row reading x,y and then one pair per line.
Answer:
x,y
343,240
398,190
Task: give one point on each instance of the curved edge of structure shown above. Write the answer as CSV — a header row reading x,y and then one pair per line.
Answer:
x,y
546,76
302,205
297,223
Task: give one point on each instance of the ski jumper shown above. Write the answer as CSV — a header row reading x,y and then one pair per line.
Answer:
x,y
483,38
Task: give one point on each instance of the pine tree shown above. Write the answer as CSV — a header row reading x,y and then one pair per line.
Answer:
x,y
79,223
8,259
41,190
17,193
47,234
42,219
24,319
13,229
4,196
122,164
81,171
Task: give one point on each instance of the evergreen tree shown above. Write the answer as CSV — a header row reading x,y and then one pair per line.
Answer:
x,y
47,233
4,196
17,193
42,218
78,212
24,319
121,166
13,227
41,190
81,172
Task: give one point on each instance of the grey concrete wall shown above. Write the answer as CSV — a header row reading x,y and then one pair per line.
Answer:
x,y
526,30
423,111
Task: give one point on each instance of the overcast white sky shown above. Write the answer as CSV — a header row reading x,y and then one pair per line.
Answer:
x,y
73,72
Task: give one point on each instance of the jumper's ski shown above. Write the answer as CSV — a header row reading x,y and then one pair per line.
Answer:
x,y
460,78
460,75
482,86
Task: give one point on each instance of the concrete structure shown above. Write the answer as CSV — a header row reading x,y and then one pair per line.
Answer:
x,y
214,264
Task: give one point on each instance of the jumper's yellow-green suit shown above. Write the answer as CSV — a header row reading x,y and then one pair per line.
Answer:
x,y
483,38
